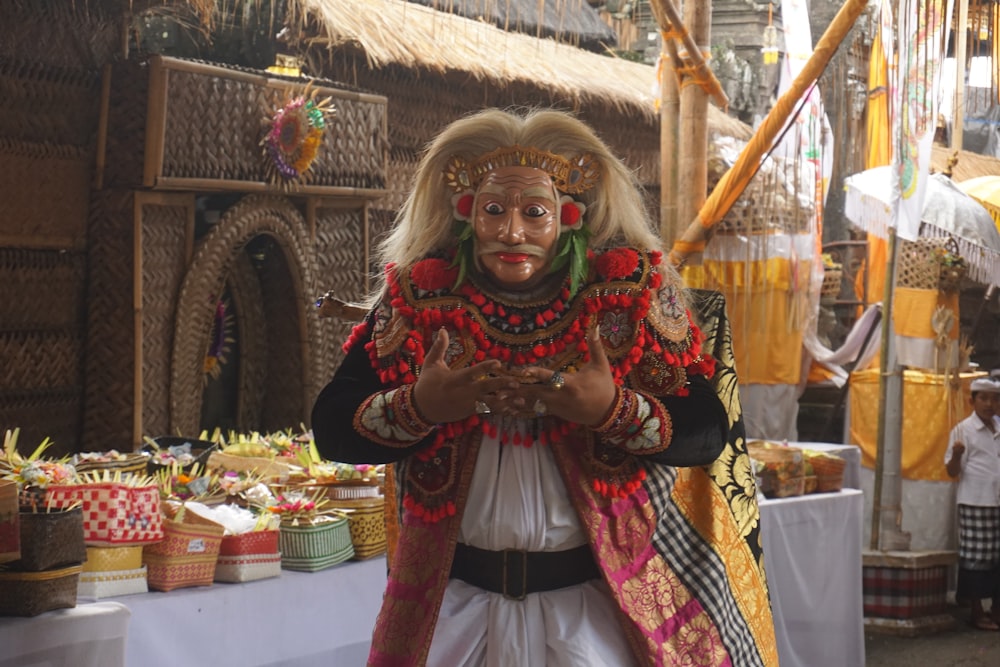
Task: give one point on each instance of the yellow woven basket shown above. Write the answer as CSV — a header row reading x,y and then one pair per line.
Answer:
x,y
113,559
367,524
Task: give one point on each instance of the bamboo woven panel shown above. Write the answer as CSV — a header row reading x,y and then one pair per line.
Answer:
x,y
50,413
380,224
214,123
287,280
109,367
59,33
33,216
33,278
251,341
46,105
38,359
916,265
284,403
341,263
163,268
126,125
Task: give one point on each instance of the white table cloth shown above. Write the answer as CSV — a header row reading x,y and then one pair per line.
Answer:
x,y
299,619
89,635
812,557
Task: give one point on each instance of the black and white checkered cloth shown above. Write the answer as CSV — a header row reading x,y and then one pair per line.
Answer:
x,y
978,537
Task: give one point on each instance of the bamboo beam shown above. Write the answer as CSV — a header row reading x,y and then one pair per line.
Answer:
x,y
669,20
734,181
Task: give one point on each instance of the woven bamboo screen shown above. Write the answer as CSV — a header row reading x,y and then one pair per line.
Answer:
x,y
341,264
211,120
109,410
41,341
277,355
164,229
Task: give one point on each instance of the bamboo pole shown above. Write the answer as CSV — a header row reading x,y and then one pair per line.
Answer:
x,y
669,20
734,181
681,175
692,130
669,112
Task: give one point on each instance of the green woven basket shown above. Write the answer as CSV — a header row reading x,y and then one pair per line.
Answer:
x,y
317,546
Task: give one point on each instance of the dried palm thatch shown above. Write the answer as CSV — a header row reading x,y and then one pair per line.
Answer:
x,y
966,164
390,33
573,22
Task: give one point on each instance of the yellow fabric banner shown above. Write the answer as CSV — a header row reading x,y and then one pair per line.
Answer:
x,y
913,311
931,408
766,302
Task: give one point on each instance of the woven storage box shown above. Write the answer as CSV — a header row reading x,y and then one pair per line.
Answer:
x,y
113,583
313,547
253,542
248,567
367,523
249,556
187,556
780,469
32,593
10,523
50,540
829,470
113,559
113,513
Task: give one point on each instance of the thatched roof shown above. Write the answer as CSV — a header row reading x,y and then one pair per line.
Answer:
x,y
572,22
399,33
968,165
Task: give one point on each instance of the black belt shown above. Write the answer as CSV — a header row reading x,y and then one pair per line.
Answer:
x,y
516,573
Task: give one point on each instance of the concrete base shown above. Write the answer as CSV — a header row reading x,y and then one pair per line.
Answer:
x,y
911,627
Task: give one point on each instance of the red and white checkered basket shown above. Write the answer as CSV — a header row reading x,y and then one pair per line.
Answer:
x,y
114,513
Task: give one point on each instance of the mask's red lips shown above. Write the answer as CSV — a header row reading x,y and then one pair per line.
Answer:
x,y
513,257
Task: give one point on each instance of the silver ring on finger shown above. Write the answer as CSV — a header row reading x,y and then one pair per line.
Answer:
x,y
482,408
540,408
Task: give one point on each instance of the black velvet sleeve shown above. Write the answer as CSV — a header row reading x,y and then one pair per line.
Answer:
x,y
700,426
333,415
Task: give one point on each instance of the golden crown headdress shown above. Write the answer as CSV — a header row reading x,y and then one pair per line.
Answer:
x,y
569,176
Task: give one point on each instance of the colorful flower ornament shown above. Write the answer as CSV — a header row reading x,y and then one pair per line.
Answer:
x,y
462,204
571,212
293,137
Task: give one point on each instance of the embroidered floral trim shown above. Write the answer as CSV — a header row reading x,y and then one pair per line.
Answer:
x,y
390,418
549,329
636,423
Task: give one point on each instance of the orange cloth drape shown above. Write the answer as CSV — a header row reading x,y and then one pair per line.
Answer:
x,y
931,408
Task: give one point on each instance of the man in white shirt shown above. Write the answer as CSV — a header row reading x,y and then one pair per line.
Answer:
x,y
973,456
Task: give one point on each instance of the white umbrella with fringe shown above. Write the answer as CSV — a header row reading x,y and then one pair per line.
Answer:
x,y
948,213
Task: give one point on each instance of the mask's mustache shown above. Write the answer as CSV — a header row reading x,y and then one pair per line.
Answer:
x,y
490,247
